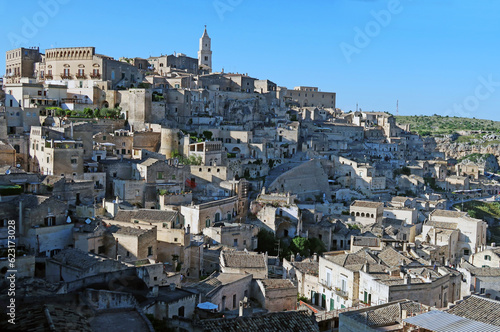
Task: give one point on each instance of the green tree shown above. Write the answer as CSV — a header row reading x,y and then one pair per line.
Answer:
x,y
300,245
88,112
316,246
97,113
266,242
208,134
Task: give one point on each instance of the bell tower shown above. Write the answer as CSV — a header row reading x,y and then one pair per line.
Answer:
x,y
205,52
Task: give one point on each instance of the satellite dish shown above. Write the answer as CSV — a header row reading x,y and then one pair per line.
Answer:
x,y
53,124
68,220
18,165
7,172
87,221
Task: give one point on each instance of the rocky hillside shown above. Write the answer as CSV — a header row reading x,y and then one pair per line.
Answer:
x,y
455,146
457,137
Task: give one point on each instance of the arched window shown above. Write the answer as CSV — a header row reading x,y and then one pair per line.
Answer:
x,y
217,217
357,214
207,222
487,257
362,214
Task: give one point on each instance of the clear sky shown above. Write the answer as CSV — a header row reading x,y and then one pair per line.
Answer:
x,y
434,56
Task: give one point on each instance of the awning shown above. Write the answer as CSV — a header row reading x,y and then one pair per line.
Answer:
x,y
207,306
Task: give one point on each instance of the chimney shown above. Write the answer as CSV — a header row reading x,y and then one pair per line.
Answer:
x,y
404,314
493,244
154,291
408,279
292,258
366,267
240,314
315,257
171,287
405,247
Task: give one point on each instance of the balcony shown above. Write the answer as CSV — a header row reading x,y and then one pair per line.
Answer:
x,y
326,284
66,76
342,293
48,76
80,76
95,75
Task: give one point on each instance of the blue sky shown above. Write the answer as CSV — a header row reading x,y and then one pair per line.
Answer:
x,y
434,56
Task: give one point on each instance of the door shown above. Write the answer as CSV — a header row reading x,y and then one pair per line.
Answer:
x,y
332,304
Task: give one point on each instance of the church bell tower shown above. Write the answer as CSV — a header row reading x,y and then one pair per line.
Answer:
x,y
205,52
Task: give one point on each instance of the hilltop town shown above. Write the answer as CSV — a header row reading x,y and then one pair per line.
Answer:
x,y
157,194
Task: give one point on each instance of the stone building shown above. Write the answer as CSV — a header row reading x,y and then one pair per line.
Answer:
x,y
7,155
170,301
304,273
225,290
338,285
235,236
388,316
277,213
131,243
72,264
82,64
20,62
275,294
487,258
205,215
366,212
311,96
484,281
205,52
244,262
52,153
307,181
427,285
210,153
471,232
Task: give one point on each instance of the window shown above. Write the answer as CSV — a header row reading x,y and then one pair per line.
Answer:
x,y
100,250
235,242
466,252
73,160
150,251
328,277
482,291
207,223
128,254
487,257
159,175
234,301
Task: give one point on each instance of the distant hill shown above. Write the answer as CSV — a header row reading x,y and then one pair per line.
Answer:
x,y
439,125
